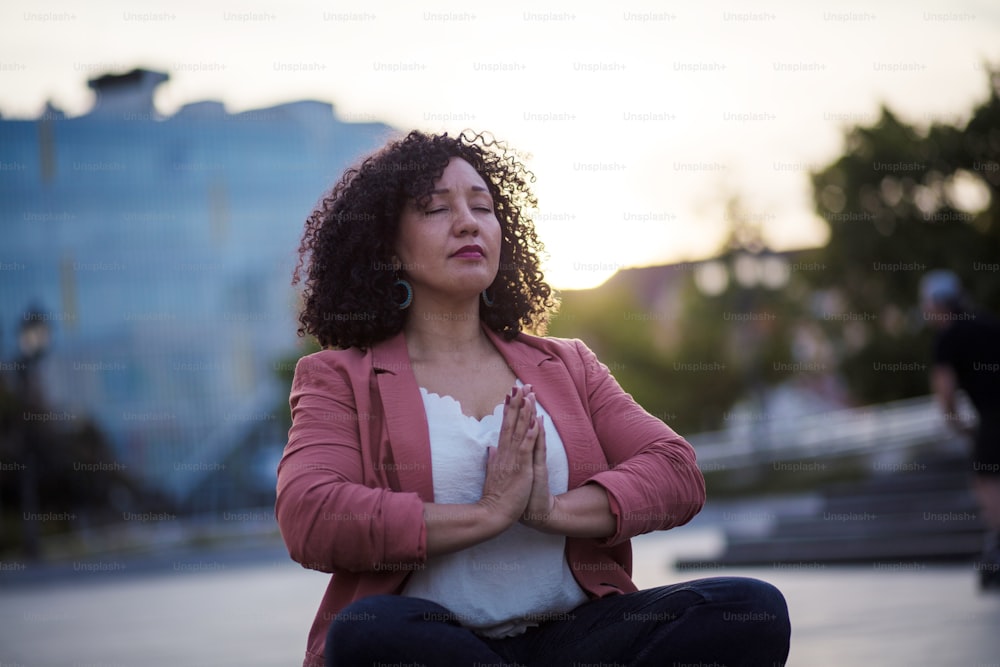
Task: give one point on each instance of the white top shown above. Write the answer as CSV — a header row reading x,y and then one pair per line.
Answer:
x,y
515,580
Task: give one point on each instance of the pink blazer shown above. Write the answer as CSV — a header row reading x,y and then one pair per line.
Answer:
x,y
357,468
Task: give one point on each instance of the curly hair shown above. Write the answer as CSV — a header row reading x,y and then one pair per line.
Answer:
x,y
350,297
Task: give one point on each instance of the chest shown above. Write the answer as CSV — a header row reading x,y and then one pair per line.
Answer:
x,y
478,387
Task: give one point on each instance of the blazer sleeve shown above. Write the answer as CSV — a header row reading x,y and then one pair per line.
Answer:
x,y
328,518
653,481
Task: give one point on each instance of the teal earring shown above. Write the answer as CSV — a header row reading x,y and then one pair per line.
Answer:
x,y
405,284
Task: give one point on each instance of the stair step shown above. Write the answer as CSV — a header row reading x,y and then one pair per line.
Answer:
x,y
912,501
867,525
923,510
963,546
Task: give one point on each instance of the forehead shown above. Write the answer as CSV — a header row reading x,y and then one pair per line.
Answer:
x,y
459,175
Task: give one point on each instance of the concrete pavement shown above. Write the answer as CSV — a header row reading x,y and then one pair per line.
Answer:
x,y
252,607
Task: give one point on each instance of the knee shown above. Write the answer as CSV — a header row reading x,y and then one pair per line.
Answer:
x,y
751,614
749,603
761,595
759,607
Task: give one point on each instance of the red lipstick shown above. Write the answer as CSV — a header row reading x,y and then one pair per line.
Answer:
x,y
469,252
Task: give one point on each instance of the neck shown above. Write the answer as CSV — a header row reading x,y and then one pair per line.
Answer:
x,y
445,332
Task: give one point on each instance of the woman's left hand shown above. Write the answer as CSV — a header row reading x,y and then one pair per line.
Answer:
x,y
541,503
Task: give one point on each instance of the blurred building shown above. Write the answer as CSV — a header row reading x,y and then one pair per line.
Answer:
x,y
161,250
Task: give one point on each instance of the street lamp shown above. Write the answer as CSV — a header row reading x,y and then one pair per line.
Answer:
x,y
33,338
33,341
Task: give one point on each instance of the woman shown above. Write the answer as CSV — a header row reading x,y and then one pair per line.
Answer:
x,y
473,488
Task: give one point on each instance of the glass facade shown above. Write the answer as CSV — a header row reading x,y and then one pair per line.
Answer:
x,y
161,252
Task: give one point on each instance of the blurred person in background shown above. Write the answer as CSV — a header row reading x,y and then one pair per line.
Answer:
x,y
966,356
472,488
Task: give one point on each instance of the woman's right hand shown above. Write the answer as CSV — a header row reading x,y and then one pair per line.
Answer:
x,y
509,471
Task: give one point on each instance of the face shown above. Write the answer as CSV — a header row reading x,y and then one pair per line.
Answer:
x,y
450,248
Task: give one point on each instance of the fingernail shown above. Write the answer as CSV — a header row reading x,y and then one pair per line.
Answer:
x,y
531,424
506,400
513,392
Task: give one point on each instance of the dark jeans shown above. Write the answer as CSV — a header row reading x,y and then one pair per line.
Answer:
x,y
716,622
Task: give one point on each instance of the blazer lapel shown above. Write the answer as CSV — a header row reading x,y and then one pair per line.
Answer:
x,y
404,416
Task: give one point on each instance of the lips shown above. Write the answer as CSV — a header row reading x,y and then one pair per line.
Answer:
x,y
469,252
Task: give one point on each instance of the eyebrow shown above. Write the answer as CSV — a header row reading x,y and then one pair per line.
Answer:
x,y
444,191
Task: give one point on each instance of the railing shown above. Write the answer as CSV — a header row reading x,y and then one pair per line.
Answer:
x,y
874,429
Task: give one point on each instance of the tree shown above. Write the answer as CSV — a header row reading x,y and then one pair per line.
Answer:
x,y
900,202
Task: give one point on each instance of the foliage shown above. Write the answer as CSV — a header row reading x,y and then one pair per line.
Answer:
x,y
900,202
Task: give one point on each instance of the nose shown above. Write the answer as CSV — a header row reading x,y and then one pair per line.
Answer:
x,y
466,222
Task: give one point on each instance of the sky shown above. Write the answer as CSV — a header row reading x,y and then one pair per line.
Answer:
x,y
641,120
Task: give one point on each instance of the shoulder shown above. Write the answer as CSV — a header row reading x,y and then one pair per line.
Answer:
x,y
956,333
567,349
546,342
333,358
572,353
332,363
